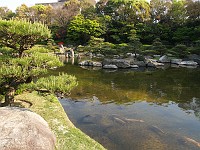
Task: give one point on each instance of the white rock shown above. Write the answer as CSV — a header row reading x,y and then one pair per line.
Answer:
x,y
189,63
110,67
134,66
176,61
96,64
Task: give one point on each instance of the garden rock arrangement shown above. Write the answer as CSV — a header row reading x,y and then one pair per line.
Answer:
x,y
148,62
21,129
120,63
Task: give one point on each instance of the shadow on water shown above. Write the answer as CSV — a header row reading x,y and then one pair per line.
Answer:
x,y
137,109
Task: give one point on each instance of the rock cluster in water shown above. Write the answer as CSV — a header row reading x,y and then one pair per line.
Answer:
x,y
131,62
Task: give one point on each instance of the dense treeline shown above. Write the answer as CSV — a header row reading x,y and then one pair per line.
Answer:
x,y
155,27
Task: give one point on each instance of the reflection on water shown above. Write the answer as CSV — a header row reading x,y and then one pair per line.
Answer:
x,y
134,109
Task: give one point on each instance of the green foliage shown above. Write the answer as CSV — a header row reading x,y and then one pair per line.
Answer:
x,y
150,52
53,84
80,29
159,47
21,35
39,49
17,71
180,50
122,48
51,98
134,42
108,49
6,51
5,13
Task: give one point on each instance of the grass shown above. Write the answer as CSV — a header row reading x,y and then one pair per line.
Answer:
x,y
68,136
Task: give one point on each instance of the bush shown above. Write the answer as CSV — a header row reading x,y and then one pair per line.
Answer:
x,y
180,50
39,49
150,52
21,35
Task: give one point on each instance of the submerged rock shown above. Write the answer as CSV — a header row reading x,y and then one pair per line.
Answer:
x,y
22,129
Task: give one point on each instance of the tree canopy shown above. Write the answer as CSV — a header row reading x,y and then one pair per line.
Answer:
x,y
21,35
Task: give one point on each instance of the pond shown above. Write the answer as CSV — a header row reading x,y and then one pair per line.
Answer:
x,y
132,109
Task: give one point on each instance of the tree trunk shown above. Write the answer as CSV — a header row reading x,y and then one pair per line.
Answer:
x,y
9,97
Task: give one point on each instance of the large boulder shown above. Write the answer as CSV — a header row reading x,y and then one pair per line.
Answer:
x,y
140,63
176,61
120,63
21,129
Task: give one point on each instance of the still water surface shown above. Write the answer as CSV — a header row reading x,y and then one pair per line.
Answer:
x,y
137,110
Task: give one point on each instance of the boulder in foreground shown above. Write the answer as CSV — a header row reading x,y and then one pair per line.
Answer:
x,y
21,129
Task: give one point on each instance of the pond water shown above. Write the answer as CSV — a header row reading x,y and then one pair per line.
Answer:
x,y
131,109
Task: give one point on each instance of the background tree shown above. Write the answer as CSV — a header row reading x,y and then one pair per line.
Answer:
x,y
41,13
21,35
177,13
6,13
23,12
80,29
134,43
180,50
193,12
159,47
159,9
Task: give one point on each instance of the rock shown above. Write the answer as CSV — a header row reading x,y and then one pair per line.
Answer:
x,y
130,55
120,63
99,55
90,63
96,64
189,63
115,56
86,63
153,63
149,64
134,66
140,63
176,61
22,129
110,67
164,59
